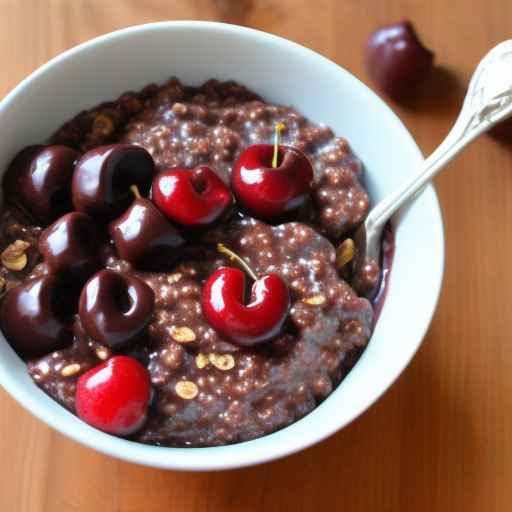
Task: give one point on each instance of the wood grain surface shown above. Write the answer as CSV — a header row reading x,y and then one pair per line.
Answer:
x,y
441,438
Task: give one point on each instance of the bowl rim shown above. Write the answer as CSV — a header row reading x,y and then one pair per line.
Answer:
x,y
162,457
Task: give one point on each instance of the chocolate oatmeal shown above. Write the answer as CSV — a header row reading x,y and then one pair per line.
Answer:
x,y
208,390
182,126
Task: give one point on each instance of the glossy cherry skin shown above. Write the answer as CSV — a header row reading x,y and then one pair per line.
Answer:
x,y
270,193
104,175
38,181
145,238
396,60
191,197
36,316
68,246
245,325
114,396
115,307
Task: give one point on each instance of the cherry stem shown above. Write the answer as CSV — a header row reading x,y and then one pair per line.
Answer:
x,y
135,191
234,257
278,129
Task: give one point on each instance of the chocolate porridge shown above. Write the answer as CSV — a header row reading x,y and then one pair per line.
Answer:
x,y
205,389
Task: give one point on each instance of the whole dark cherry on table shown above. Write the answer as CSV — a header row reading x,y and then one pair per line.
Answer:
x,y
38,181
115,307
503,131
223,303
191,197
114,396
35,315
103,178
144,237
396,60
69,245
270,181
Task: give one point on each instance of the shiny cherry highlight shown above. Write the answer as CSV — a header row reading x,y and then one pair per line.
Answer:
x,y
104,176
396,60
38,181
245,324
114,396
191,197
115,307
269,192
36,315
144,237
68,246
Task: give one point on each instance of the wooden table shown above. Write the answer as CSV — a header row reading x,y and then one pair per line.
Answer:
x,y
441,438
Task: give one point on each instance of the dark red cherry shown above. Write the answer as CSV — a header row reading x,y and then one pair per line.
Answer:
x,y
191,197
38,181
396,60
115,307
114,396
268,192
68,246
145,238
260,320
503,131
103,178
36,316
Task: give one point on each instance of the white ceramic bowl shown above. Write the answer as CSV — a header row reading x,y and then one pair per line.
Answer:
x,y
282,72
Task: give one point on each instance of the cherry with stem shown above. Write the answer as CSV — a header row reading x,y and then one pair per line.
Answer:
x,y
277,134
223,302
272,181
238,259
144,236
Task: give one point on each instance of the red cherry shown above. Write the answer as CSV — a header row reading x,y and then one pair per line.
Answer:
x,y
268,192
245,325
114,396
191,197
396,60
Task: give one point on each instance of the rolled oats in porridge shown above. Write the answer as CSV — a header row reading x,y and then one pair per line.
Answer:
x,y
133,248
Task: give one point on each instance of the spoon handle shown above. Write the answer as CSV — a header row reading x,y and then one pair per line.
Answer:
x,y
487,102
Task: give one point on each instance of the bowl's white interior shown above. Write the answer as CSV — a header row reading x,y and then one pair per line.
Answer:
x,y
281,72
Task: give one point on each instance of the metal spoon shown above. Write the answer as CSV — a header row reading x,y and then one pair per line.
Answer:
x,y
487,102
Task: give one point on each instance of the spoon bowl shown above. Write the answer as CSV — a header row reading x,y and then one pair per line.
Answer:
x,y
488,101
